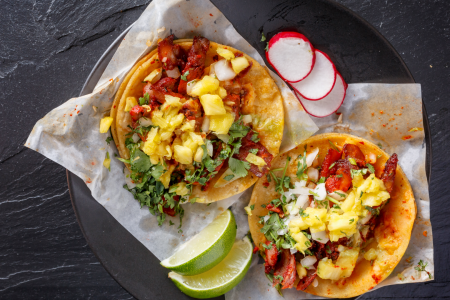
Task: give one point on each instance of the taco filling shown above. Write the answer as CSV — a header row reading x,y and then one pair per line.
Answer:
x,y
324,216
188,127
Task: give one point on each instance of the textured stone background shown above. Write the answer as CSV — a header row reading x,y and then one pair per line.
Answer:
x,y
47,50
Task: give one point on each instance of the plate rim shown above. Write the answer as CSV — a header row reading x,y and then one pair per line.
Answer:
x,y
89,85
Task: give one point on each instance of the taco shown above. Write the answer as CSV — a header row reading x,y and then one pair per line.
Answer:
x,y
195,120
334,216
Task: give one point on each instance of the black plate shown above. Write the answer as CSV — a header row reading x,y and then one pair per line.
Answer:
x,y
360,53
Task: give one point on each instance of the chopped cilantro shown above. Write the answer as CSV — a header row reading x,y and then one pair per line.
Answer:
x,y
379,145
351,221
252,207
108,140
279,277
332,165
228,177
267,47
144,100
352,161
171,223
371,168
183,77
421,267
263,37
253,151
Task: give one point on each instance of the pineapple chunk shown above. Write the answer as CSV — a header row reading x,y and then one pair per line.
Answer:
x,y
213,105
371,254
327,270
208,84
316,219
342,268
239,63
130,103
152,141
182,190
225,53
221,124
357,180
107,161
165,178
176,121
372,191
154,76
183,154
171,103
154,159
166,134
221,92
342,225
303,242
197,138
301,271
198,155
256,160
106,122
188,125
351,205
347,261
297,225
158,120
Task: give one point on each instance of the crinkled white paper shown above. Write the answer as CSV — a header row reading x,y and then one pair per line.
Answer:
x,y
383,114
69,135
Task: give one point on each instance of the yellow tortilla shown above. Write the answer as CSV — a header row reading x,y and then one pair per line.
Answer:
x,y
266,108
392,235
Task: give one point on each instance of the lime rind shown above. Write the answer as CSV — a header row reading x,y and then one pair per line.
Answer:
x,y
239,258
216,248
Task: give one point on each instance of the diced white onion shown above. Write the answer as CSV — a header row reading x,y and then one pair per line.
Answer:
x,y
247,119
313,174
308,261
311,157
209,148
190,85
341,248
224,137
366,218
283,231
321,191
320,236
174,73
205,124
293,250
266,218
135,137
371,158
315,283
337,196
212,71
223,70
301,202
145,122
311,185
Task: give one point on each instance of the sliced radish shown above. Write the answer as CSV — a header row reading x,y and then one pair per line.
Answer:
x,y
292,55
328,105
320,81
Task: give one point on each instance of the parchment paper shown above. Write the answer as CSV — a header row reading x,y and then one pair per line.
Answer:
x,y
382,114
69,135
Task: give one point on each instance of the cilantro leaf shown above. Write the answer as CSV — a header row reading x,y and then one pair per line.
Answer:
x,y
371,168
183,77
229,177
144,100
140,161
108,140
239,168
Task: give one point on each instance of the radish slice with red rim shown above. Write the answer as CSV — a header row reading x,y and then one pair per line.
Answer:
x,y
320,81
291,55
328,105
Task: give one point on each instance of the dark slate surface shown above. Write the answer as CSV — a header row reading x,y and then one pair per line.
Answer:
x,y
47,50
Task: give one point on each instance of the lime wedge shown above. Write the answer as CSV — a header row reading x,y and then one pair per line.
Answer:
x,y
220,279
206,249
